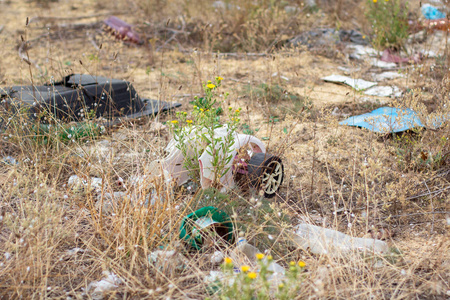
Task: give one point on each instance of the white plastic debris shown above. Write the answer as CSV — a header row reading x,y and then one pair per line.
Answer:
x,y
78,183
98,289
382,64
321,240
357,84
360,52
387,76
217,257
384,91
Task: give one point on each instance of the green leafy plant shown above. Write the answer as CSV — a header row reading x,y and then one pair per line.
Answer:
x,y
389,21
197,132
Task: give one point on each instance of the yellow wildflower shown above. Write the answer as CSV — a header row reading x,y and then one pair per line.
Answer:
x,y
211,86
259,256
202,110
189,121
301,264
209,81
269,257
292,263
195,106
174,122
375,1
252,275
219,78
364,37
245,269
228,260
237,110
281,285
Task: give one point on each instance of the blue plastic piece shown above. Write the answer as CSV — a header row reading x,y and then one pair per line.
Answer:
x,y
386,120
431,13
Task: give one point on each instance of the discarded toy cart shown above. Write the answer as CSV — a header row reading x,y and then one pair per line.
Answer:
x,y
251,164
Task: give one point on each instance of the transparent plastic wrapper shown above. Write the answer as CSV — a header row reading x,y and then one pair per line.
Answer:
x,y
321,240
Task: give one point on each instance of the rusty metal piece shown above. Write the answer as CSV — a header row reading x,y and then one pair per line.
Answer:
x,y
122,30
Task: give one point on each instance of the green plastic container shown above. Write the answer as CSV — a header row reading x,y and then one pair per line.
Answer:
x,y
195,224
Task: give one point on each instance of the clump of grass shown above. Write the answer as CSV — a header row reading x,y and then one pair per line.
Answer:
x,y
389,21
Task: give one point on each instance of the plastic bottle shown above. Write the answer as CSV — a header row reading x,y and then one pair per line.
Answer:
x,y
321,240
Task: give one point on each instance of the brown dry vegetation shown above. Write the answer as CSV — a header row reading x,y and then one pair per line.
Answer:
x,y
339,177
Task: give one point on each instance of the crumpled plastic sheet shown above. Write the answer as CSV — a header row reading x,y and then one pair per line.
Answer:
x,y
357,84
386,120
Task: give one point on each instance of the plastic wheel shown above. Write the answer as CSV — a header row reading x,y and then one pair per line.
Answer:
x,y
266,173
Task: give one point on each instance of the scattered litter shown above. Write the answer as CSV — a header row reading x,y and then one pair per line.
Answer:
x,y
349,71
387,76
98,289
357,84
382,64
105,98
385,120
361,52
245,254
281,76
9,160
158,255
206,227
77,183
390,57
121,30
217,257
74,251
417,37
431,13
384,91
321,240
438,24
324,37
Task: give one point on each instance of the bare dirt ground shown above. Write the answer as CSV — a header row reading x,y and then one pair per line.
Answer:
x,y
345,178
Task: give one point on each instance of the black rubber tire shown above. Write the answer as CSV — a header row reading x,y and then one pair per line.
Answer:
x,y
261,169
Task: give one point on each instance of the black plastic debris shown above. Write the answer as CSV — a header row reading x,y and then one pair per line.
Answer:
x,y
79,97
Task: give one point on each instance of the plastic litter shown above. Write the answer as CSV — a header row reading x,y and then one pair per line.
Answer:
x,y
357,84
383,91
361,52
98,289
431,12
121,30
321,240
387,76
173,164
78,183
382,64
390,57
9,160
385,120
205,226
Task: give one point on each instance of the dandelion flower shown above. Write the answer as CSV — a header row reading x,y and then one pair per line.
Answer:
x,y
211,86
174,122
259,256
252,275
245,269
301,264
228,260
219,78
237,110
189,121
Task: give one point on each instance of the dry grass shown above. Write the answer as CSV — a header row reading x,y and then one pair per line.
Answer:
x,y
55,241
